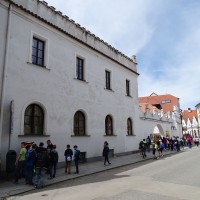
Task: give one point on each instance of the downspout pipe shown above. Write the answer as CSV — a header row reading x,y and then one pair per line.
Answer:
x,y
4,74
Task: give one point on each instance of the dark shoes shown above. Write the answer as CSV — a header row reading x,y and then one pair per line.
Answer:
x,y
108,163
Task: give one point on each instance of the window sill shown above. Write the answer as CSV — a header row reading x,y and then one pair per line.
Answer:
x,y
39,66
109,135
80,135
84,81
33,135
109,89
130,135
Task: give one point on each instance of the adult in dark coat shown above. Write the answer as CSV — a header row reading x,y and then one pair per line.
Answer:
x,y
106,151
41,165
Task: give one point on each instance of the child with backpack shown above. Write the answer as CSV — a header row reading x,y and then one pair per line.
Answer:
x,y
68,159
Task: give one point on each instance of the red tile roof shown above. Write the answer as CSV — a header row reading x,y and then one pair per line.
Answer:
x,y
155,99
189,114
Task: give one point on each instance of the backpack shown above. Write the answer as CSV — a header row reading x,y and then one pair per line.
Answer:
x,y
68,157
148,140
54,156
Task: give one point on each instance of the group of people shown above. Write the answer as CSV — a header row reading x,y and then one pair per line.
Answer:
x,y
170,143
68,158
37,161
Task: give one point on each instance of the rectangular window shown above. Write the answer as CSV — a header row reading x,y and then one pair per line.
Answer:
x,y
108,85
80,68
127,87
166,101
38,52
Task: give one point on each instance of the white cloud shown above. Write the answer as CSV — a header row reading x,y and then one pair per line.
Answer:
x,y
165,35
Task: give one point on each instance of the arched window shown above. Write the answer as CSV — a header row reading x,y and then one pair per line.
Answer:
x,y
108,125
33,120
129,127
79,123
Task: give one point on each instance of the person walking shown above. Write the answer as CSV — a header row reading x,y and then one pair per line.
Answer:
x,y
154,150
106,151
68,159
159,147
20,163
148,140
49,149
76,158
53,162
41,165
144,148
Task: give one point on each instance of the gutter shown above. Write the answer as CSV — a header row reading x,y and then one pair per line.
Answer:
x,y
4,74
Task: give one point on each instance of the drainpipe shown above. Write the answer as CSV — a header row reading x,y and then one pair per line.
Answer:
x,y
4,74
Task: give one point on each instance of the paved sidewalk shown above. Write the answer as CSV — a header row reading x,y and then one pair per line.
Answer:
x,y
9,189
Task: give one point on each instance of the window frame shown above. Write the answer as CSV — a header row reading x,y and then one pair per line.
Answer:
x,y
129,126
128,88
80,69
32,119
46,50
109,128
37,50
76,123
108,80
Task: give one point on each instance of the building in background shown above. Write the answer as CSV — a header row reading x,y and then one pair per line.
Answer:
x,y
163,105
198,116
190,123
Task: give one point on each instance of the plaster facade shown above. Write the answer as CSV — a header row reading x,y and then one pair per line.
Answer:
x,y
56,88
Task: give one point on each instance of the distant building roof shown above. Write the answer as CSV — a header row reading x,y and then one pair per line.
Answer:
x,y
166,102
189,114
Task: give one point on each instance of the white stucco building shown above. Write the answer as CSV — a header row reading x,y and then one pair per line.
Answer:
x,y
61,82
198,116
190,122
65,84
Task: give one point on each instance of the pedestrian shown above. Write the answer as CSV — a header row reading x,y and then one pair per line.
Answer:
x,y
106,151
76,158
154,150
49,149
34,148
148,141
49,145
53,162
196,141
30,157
160,148
144,148
41,165
20,163
68,159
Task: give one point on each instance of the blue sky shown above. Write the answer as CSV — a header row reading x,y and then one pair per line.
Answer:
x,y
163,34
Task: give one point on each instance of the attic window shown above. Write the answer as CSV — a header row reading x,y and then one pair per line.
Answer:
x,y
166,101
